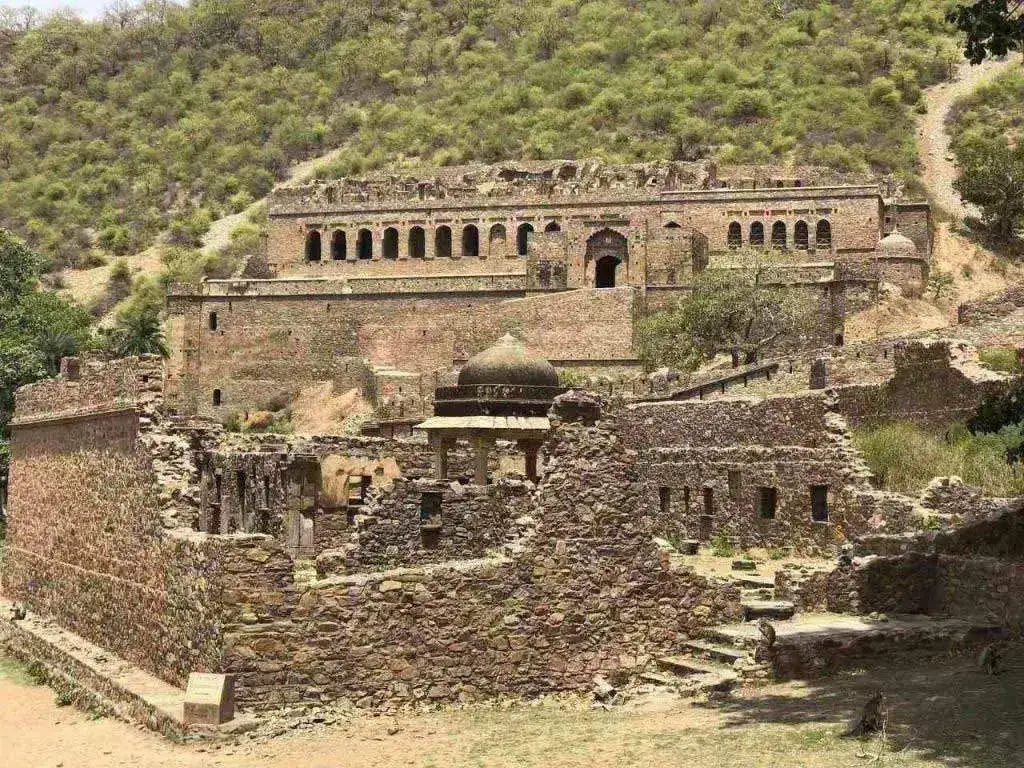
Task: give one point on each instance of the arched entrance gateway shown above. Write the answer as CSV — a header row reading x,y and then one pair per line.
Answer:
x,y
607,251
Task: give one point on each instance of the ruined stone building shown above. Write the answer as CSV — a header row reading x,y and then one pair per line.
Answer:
x,y
386,283
515,548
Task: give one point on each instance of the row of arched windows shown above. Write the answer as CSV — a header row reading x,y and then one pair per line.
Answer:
x,y
780,236
416,242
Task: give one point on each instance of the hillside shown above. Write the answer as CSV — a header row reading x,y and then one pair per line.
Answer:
x,y
161,119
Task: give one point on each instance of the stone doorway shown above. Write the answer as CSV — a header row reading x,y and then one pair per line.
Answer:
x,y
607,250
604,272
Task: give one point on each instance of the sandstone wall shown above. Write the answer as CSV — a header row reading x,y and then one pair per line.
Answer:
x,y
750,471
271,343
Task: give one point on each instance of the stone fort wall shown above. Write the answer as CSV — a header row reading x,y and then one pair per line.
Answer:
x,y
283,335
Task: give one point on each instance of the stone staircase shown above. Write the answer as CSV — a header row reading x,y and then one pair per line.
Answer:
x,y
715,662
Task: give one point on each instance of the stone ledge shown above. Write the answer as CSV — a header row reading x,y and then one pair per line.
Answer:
x,y
119,688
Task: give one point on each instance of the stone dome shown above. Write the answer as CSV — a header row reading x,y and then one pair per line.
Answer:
x,y
896,244
508,362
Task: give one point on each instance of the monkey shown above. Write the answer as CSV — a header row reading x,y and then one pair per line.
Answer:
x,y
17,613
872,718
767,631
764,649
990,657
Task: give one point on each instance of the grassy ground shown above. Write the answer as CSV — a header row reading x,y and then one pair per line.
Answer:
x,y
943,713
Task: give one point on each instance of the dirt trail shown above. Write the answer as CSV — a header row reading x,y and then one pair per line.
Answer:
x,y
219,234
937,171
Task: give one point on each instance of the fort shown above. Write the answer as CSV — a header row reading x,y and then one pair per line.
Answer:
x,y
519,536
383,284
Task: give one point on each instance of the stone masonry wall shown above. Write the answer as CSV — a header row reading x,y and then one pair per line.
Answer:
x,y
931,386
749,471
587,594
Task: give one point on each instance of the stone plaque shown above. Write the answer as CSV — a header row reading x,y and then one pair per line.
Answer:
x,y
209,699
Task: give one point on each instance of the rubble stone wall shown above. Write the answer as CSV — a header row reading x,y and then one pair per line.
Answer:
x,y
745,470
926,388
588,594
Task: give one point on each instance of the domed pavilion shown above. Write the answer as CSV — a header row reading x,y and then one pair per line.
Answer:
x,y
503,393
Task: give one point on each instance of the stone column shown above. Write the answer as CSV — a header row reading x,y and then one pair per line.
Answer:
x,y
819,373
481,454
530,449
440,446
429,233
351,245
377,238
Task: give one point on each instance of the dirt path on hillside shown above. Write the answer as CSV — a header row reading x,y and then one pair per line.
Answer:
x,y
937,167
219,234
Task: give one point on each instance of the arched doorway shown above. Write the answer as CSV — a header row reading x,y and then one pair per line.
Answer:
x,y
607,250
604,272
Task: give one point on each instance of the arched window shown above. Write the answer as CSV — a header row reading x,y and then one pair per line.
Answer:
x,y
389,246
757,233
417,243
443,242
800,238
213,321
735,237
553,226
313,245
216,397
523,238
339,247
470,242
364,245
779,235
672,225
823,234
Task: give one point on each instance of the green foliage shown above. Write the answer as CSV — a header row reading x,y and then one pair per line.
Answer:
x,y
986,129
905,458
742,311
166,116
1001,412
721,546
568,377
991,28
36,328
1003,359
137,331
939,281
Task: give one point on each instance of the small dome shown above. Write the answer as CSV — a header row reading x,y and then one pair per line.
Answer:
x,y
896,244
508,362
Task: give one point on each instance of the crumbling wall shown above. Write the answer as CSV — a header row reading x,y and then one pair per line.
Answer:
x,y
91,490
751,471
430,521
972,572
588,594
929,387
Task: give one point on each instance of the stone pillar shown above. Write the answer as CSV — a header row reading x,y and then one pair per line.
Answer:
x,y
351,245
530,449
377,238
819,373
481,455
403,243
440,446
429,232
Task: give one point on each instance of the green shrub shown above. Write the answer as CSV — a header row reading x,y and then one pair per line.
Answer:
x,y
1003,359
721,546
905,458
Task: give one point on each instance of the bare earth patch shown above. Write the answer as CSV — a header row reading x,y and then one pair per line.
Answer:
x,y
943,713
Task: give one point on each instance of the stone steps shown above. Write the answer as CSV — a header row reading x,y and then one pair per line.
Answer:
x,y
779,610
720,652
692,676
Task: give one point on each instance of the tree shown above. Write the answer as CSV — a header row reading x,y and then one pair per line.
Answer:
x,y
740,311
992,178
999,411
36,328
991,27
138,333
